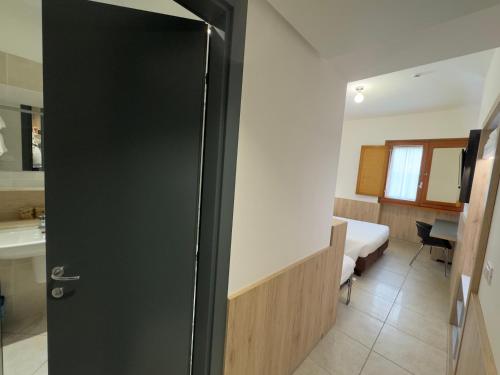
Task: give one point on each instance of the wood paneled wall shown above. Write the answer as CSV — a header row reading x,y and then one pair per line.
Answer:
x,y
274,324
476,356
357,210
11,201
401,220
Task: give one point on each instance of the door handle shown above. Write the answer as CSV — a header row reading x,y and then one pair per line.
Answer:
x,y
58,275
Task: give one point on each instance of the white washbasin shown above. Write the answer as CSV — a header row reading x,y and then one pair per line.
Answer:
x,y
23,243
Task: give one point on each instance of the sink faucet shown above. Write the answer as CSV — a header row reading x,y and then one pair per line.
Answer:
x,y
42,226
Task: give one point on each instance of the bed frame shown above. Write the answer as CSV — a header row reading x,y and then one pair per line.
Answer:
x,y
362,264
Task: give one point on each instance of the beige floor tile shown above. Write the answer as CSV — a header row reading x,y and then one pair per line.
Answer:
x,y
392,264
358,325
427,285
432,331
432,273
430,305
44,370
386,276
24,357
339,354
377,287
370,304
410,353
308,367
378,365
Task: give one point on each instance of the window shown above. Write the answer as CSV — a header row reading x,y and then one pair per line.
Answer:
x,y
424,173
403,175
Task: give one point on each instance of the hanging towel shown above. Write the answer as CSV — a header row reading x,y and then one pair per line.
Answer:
x,y
2,123
3,148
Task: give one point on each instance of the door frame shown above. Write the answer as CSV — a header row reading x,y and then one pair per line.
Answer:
x,y
218,182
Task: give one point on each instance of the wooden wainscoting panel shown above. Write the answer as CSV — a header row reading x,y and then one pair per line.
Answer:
x,y
357,210
12,200
274,324
401,219
475,356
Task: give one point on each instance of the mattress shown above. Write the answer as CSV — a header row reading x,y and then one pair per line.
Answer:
x,y
363,238
348,266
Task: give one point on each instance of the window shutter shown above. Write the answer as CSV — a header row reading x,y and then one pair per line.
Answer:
x,y
372,170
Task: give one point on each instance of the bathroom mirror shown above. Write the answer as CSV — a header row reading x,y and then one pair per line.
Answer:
x,y
21,141
21,86
445,175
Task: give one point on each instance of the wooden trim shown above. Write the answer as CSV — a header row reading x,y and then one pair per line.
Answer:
x,y
275,323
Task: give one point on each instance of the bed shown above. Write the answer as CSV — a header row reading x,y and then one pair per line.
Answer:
x,y
348,267
365,242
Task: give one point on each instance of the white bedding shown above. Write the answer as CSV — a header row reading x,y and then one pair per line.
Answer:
x,y
363,238
348,266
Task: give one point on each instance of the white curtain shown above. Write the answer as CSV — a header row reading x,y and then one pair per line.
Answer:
x,y
404,173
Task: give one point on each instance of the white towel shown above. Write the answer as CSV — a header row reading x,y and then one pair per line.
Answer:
x,y
3,148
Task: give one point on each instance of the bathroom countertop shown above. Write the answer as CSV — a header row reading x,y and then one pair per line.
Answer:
x,y
18,224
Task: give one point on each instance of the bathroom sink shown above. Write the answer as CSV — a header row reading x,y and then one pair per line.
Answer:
x,y
21,243
24,243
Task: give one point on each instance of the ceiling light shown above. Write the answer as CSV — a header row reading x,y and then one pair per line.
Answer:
x,y
359,96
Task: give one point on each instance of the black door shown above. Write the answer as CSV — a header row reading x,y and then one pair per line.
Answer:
x,y
123,105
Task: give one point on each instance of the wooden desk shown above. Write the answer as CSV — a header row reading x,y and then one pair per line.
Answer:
x,y
447,230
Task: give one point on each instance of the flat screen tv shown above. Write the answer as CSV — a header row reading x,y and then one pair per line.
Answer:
x,y
469,158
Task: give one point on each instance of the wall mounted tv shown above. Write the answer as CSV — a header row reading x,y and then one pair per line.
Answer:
x,y
469,158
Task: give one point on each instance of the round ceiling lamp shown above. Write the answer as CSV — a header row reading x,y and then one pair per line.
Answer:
x,y
359,98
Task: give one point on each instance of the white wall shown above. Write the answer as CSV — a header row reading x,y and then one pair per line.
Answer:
x,y
21,29
489,294
491,88
291,120
454,123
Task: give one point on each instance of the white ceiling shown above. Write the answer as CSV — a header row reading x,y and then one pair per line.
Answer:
x,y
452,83
363,38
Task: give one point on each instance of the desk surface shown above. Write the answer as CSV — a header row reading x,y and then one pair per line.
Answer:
x,y
445,229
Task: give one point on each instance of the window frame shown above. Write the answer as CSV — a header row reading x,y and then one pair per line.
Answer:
x,y
425,167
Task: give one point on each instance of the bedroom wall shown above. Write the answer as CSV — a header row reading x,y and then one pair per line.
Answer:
x,y
488,294
453,123
290,129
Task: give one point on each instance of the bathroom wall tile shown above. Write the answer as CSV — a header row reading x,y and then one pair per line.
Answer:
x,y
3,67
24,73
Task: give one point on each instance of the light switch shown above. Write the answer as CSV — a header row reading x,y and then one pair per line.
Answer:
x,y
488,272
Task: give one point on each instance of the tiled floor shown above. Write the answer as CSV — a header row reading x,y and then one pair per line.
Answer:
x,y
25,349
396,323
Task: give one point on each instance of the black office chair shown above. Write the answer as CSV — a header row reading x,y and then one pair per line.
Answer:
x,y
424,232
